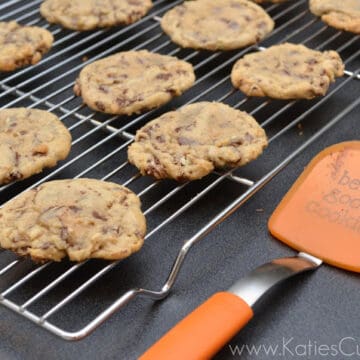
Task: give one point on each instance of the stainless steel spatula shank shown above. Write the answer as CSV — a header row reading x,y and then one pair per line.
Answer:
x,y
254,285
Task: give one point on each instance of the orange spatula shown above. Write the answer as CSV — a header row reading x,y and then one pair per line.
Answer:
x,y
320,216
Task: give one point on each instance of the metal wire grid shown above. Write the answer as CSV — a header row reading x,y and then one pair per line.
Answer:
x,y
100,142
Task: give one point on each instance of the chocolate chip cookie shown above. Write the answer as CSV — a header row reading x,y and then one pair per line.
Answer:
x,y
340,14
133,82
189,143
217,25
91,14
287,71
30,140
22,45
80,219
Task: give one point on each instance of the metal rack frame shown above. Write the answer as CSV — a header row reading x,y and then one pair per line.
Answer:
x,y
16,92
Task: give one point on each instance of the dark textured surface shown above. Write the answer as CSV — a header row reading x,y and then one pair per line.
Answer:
x,y
321,307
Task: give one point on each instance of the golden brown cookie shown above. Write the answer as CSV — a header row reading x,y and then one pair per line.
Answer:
x,y
216,25
80,218
91,14
133,82
30,140
340,14
189,143
287,71
22,45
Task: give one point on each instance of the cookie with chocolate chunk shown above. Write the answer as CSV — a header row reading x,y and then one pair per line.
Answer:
x,y
216,25
77,218
30,140
340,14
287,71
91,14
133,82
189,143
22,45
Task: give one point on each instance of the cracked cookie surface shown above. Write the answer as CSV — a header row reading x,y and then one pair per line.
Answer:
x,y
77,218
30,140
133,82
22,45
189,143
91,14
287,71
340,14
216,25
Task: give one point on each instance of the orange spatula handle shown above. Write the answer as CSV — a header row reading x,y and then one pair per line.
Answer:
x,y
203,332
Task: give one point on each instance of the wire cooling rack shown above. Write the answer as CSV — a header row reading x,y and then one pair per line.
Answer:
x,y
50,294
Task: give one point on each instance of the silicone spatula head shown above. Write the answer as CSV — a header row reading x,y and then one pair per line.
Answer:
x,y
320,215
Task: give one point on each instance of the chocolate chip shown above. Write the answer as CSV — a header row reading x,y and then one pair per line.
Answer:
x,y
262,25
17,158
230,23
100,105
286,72
134,2
46,245
172,92
163,76
139,234
96,215
311,61
23,249
181,179
74,208
182,140
160,139
104,89
188,127
181,72
16,175
156,169
236,142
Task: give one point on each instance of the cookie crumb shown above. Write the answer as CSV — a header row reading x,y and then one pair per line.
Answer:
x,y
300,128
